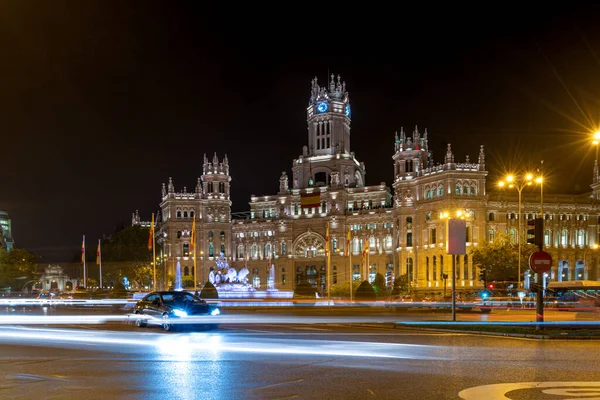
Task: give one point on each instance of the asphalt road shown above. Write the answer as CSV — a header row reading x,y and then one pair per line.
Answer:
x,y
254,360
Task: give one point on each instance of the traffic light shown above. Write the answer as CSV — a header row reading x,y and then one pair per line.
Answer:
x,y
482,275
535,232
491,285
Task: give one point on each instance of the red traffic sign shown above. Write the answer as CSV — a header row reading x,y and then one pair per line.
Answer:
x,y
540,261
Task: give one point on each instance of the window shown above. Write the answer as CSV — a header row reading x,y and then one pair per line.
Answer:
x,y
223,248
433,236
468,237
240,251
428,216
491,217
457,189
409,268
473,191
211,250
334,245
334,275
441,190
426,268
466,267
409,239
283,249
210,234
178,214
388,242
185,214
564,239
434,192
254,251
409,220
186,249
323,207
434,268
191,214
222,235
547,238
178,234
491,235
186,271
580,238
428,194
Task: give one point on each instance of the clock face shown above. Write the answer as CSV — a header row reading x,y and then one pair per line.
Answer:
x,y
322,107
347,110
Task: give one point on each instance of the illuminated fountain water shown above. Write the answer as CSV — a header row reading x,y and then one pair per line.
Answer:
x,y
177,284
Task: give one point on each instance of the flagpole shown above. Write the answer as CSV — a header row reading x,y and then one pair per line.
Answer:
x,y
350,261
328,268
153,253
100,261
194,253
84,271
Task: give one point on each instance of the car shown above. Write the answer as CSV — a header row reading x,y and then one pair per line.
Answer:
x,y
170,309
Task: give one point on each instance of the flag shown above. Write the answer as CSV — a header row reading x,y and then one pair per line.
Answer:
x,y
310,200
151,237
193,239
98,254
365,252
83,251
348,238
327,240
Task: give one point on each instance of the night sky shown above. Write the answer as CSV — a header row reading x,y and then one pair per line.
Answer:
x,y
100,102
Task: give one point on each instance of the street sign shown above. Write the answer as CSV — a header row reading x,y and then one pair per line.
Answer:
x,y
540,261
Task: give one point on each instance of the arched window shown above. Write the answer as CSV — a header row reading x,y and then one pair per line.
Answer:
x,y
434,194
491,235
427,268
240,251
409,268
223,248
458,189
513,235
283,248
468,237
355,245
409,239
465,189
186,249
441,190
491,217
185,214
372,245
428,194
466,268
178,234
254,252
564,238
409,220
178,214
428,216
334,250
434,268
267,250
388,242
222,234
580,238
210,234
211,250
191,214
547,238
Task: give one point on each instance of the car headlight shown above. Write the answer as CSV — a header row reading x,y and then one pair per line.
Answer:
x,y
179,313
216,311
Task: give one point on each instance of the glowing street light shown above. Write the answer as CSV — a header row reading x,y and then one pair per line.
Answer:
x,y
513,182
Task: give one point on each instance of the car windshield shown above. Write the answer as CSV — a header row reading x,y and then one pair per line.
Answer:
x,y
179,298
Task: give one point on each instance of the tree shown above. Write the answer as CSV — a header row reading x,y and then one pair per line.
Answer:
x,y
125,254
365,292
400,285
343,290
500,258
17,267
379,286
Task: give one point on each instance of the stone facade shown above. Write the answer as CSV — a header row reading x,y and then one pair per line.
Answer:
x,y
405,230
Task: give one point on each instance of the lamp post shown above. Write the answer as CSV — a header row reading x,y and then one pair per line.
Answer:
x,y
512,182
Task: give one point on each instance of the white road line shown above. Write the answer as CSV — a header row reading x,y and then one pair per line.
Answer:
x,y
309,329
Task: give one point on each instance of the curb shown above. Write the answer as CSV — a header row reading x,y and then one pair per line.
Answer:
x,y
500,334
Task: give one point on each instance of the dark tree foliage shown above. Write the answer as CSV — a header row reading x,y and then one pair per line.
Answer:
x,y
379,286
209,291
365,292
17,267
400,285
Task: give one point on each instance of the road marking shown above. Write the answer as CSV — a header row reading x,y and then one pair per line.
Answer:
x,y
267,332
279,384
309,329
497,391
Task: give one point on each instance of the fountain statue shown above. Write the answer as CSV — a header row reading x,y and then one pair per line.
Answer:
x,y
226,278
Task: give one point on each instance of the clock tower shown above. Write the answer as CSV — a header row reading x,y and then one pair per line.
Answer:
x,y
327,159
328,116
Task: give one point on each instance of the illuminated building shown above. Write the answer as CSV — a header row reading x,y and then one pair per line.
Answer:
x,y
6,238
405,229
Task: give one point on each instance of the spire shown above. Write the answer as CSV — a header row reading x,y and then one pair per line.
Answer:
x,y
164,190
481,159
449,156
225,160
171,187
283,183
198,188
205,165
215,161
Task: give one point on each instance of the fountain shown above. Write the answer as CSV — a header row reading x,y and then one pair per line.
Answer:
x,y
177,284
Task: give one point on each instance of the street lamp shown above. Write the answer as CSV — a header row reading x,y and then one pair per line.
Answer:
x,y
512,182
